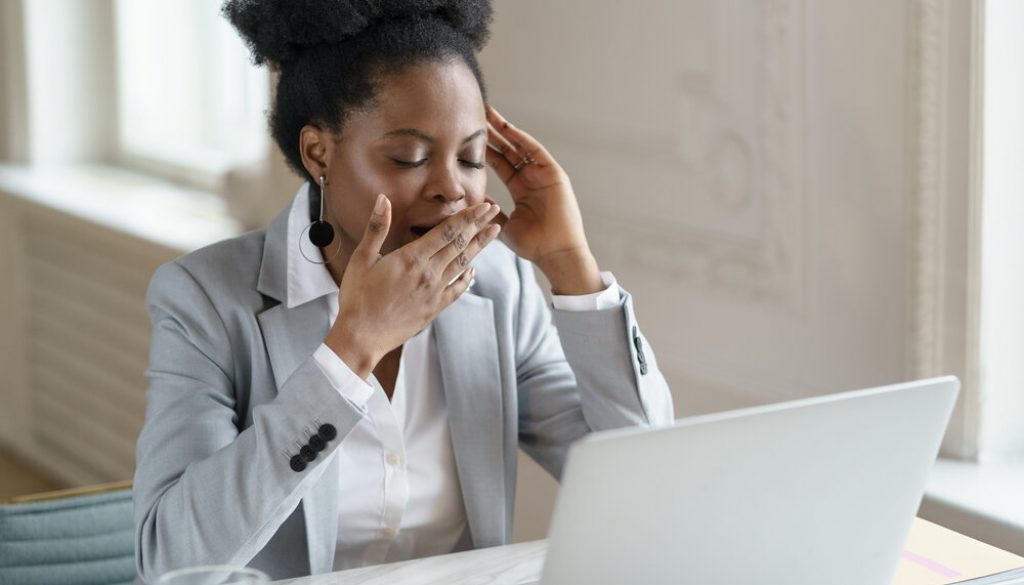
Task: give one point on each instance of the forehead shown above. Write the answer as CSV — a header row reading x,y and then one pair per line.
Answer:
x,y
437,97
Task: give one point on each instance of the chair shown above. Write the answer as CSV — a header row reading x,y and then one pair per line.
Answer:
x,y
81,536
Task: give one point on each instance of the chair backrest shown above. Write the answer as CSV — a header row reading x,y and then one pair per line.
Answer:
x,y
75,540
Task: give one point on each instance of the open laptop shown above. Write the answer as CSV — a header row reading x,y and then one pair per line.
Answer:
x,y
809,492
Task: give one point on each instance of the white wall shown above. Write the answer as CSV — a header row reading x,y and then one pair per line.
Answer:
x,y
747,168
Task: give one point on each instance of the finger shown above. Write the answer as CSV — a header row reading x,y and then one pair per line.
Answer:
x,y
455,289
466,232
514,153
500,219
524,144
376,230
461,262
499,144
501,166
447,231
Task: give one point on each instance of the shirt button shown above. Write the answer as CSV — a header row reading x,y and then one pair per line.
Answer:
x,y
393,459
387,532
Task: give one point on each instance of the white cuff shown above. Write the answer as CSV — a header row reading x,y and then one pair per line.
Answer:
x,y
342,378
608,298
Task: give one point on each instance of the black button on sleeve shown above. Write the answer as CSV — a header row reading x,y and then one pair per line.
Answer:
x,y
307,453
297,463
317,443
639,351
327,432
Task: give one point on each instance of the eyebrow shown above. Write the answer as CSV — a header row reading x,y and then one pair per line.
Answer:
x,y
424,136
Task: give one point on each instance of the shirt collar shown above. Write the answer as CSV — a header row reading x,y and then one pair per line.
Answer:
x,y
306,280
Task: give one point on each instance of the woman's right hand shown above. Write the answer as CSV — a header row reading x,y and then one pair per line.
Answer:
x,y
385,300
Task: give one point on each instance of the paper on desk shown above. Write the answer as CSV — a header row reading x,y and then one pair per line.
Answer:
x,y
935,555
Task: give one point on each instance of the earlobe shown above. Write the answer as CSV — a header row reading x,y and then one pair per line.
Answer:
x,y
315,149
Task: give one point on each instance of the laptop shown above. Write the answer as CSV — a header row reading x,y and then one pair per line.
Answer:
x,y
813,491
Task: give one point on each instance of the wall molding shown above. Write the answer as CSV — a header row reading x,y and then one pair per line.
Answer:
x,y
944,205
750,174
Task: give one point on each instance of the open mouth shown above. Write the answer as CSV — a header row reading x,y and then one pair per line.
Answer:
x,y
419,230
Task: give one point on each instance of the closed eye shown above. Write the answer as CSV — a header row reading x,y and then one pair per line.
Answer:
x,y
406,164
409,164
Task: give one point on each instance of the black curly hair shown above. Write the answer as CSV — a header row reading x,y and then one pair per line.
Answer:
x,y
331,54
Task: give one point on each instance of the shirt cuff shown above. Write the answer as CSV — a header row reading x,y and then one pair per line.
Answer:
x,y
342,378
609,298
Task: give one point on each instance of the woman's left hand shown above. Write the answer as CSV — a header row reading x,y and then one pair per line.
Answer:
x,y
545,226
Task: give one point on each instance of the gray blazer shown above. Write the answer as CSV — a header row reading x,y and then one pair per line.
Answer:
x,y
234,393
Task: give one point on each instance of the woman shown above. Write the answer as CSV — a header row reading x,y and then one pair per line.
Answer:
x,y
361,400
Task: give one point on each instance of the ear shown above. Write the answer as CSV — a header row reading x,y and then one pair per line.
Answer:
x,y
316,148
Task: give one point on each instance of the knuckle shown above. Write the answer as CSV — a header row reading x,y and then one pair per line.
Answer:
x,y
460,242
426,279
449,233
463,260
376,226
410,261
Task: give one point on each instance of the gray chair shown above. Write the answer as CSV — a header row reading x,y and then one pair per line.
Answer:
x,y
81,536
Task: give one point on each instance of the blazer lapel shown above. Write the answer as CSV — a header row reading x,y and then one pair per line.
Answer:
x,y
291,336
468,353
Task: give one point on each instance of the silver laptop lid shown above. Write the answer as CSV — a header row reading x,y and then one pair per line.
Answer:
x,y
821,490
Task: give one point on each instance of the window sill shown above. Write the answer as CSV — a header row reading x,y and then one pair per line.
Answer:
x,y
176,217
981,500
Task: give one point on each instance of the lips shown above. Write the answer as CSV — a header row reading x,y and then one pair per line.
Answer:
x,y
425,226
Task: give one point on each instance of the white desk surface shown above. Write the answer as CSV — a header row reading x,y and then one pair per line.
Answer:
x,y
499,565
933,555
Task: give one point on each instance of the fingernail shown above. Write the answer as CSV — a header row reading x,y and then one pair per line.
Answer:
x,y
482,210
378,208
492,230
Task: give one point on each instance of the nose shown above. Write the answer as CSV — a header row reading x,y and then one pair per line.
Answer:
x,y
444,186
447,198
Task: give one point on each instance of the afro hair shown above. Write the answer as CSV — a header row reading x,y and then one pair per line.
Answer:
x,y
277,31
331,54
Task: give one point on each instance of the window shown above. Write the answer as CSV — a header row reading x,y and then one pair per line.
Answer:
x,y
190,103
1002,251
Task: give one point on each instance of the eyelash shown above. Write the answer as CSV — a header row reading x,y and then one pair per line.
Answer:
x,y
412,165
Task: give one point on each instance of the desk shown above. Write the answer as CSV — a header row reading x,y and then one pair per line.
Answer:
x,y
928,545
500,565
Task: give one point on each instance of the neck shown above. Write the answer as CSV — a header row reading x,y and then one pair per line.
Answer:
x,y
336,266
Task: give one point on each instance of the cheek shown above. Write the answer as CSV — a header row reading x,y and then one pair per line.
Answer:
x,y
476,187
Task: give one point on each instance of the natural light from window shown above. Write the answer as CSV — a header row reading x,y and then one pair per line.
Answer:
x,y
1002,271
189,98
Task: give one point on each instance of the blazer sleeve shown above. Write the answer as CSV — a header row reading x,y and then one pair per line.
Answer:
x,y
588,371
206,491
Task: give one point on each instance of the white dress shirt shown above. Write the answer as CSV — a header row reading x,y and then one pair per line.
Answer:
x,y
399,493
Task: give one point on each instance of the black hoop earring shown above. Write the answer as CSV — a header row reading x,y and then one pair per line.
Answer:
x,y
319,232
